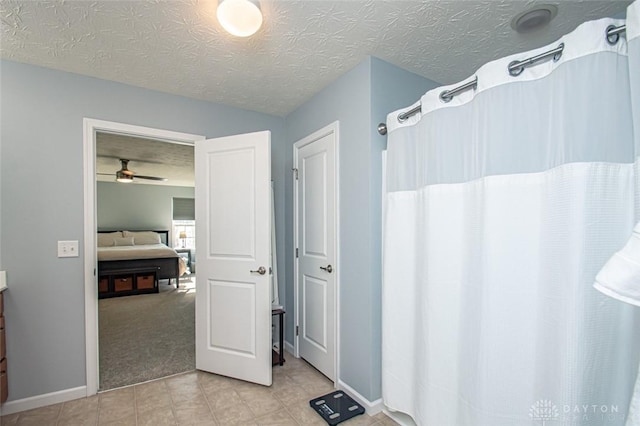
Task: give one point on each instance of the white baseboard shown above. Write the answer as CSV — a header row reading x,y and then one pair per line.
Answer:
x,y
372,408
11,407
288,347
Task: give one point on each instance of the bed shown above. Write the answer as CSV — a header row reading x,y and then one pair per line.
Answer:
x,y
136,256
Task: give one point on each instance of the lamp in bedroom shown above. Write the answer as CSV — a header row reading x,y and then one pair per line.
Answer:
x,y
183,237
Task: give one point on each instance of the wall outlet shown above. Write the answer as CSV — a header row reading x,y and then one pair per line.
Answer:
x,y
68,249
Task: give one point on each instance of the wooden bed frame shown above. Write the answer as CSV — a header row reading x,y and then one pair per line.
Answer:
x,y
167,268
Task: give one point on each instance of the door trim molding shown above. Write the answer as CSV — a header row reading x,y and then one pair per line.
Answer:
x,y
90,127
335,129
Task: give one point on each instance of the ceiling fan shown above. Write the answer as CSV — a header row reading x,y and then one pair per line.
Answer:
x,y
125,175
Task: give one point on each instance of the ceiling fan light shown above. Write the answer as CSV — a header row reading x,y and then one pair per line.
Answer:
x,y
240,18
123,178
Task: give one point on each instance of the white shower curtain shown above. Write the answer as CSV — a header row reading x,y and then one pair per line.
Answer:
x,y
500,208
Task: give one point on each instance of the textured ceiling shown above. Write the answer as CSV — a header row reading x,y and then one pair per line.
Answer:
x,y
178,46
146,157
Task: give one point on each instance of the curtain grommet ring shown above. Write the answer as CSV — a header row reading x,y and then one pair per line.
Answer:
x,y
515,68
515,71
612,39
446,97
558,55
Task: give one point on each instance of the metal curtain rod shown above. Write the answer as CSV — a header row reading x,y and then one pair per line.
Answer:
x,y
515,68
402,117
447,95
613,33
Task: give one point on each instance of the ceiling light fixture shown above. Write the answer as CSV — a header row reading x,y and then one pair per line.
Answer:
x,y
123,178
534,19
240,18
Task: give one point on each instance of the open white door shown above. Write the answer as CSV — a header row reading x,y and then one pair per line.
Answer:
x,y
233,220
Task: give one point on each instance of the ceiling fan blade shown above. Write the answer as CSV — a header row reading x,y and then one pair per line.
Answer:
x,y
126,175
150,178
136,160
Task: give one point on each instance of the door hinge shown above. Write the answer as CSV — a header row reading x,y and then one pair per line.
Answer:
x,y
297,330
296,252
94,272
295,173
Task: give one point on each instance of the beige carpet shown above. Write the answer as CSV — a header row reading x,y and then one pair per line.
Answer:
x,y
147,336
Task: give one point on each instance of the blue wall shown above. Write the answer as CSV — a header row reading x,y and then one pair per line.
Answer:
x,y
392,88
132,206
41,194
359,100
41,184
346,100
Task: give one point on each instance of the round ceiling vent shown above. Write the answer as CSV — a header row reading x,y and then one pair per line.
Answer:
x,y
534,19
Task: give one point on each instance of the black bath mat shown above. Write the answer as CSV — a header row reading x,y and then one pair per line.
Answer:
x,y
336,407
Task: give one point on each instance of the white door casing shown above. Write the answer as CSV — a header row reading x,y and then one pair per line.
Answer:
x,y
315,162
90,128
233,216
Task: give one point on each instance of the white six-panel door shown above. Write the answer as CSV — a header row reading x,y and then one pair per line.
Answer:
x,y
233,220
316,197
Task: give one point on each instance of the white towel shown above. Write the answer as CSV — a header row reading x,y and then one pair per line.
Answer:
x,y
620,276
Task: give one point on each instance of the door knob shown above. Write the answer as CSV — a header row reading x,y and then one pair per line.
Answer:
x,y
328,268
261,270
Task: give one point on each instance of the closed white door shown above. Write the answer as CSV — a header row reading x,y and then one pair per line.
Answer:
x,y
315,161
233,220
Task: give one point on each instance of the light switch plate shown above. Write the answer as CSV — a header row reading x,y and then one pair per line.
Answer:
x,y
3,280
68,249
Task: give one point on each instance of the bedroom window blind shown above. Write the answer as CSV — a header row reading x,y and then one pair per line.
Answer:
x,y
184,209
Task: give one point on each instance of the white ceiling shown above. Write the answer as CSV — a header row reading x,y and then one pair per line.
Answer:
x,y
146,157
178,47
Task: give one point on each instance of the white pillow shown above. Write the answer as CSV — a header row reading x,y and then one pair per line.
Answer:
x,y
118,242
106,239
143,237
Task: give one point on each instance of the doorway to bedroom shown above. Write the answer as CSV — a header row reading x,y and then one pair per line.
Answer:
x,y
145,311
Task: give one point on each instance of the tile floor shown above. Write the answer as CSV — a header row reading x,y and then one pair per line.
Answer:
x,y
200,398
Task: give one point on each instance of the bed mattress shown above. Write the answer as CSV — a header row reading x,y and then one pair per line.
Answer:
x,y
148,251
